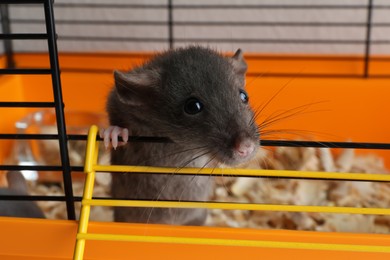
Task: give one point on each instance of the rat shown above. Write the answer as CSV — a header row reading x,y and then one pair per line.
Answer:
x,y
10,208
194,96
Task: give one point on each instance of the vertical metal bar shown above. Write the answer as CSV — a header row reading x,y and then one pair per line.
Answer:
x,y
59,108
6,28
91,158
368,39
170,24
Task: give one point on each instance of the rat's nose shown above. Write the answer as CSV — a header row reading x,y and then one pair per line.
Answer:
x,y
244,147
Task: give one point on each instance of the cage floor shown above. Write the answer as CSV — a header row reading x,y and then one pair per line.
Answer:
x,y
54,239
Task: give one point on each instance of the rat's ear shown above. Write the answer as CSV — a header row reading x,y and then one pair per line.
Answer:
x,y
239,63
133,87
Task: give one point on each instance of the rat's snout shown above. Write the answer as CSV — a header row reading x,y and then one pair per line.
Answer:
x,y
244,147
241,140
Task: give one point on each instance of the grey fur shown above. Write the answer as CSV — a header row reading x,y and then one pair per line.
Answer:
x,y
149,101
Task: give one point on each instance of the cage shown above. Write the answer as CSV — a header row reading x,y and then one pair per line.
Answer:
x,y
320,65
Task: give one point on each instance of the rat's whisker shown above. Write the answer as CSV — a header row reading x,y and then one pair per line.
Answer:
x,y
168,155
169,181
262,107
212,157
297,111
194,178
259,75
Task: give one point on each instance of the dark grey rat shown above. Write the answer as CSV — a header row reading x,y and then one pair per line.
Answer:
x,y
194,96
17,186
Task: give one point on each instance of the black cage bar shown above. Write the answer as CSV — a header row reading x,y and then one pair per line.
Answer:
x,y
58,105
171,41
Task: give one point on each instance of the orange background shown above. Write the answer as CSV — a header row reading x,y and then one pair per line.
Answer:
x,y
335,108
341,109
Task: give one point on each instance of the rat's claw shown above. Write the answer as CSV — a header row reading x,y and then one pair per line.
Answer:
x,y
125,135
111,135
106,136
114,136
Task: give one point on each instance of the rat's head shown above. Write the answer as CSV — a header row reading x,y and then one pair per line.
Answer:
x,y
197,98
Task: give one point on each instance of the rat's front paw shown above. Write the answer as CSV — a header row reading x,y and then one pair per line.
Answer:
x,y
112,133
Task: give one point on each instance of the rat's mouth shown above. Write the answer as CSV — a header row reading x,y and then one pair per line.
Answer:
x,y
236,156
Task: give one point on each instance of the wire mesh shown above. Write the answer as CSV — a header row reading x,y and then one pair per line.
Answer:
x,y
171,23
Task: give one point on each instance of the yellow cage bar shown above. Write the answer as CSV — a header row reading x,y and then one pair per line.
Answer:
x,y
91,166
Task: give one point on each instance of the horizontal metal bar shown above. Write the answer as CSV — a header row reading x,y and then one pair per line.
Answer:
x,y
219,40
211,6
310,75
134,139
284,6
352,145
191,6
25,71
30,168
90,22
235,172
152,139
110,6
109,39
315,75
285,143
235,206
248,56
27,104
38,168
380,42
269,23
263,74
23,36
324,57
285,41
41,137
44,198
36,198
273,41
19,2
77,168
203,23
77,137
85,70
29,136
279,177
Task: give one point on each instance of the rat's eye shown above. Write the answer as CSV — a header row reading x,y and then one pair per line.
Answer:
x,y
244,96
193,106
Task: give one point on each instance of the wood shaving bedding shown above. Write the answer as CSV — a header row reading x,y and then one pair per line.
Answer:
x,y
275,191
307,192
